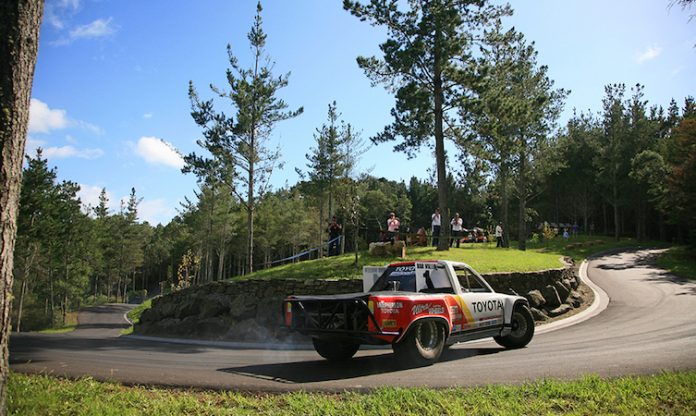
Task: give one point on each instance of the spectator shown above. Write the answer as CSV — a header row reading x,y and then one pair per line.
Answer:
x,y
457,228
334,234
421,237
436,224
393,225
565,234
499,234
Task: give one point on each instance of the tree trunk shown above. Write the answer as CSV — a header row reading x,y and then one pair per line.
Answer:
x,y
615,194
221,263
250,220
505,197
22,293
20,21
443,244
522,234
521,191
321,228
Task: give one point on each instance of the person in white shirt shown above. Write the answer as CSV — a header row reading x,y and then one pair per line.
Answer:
x,y
393,224
499,234
457,227
436,224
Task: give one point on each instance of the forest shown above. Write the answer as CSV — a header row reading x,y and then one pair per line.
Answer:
x,y
626,168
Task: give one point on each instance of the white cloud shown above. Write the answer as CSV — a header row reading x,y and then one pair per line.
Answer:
x,y
97,29
56,12
158,152
147,115
70,151
155,211
43,119
650,53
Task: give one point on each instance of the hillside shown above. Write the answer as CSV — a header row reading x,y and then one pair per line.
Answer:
x,y
483,257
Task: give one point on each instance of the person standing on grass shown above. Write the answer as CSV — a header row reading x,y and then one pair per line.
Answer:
x,y
499,234
436,224
334,233
393,225
457,227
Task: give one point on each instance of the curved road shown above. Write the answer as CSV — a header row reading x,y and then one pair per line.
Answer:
x,y
647,327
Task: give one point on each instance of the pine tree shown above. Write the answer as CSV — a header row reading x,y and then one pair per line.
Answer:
x,y
240,156
425,64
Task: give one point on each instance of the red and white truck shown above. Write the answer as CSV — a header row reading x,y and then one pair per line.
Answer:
x,y
417,307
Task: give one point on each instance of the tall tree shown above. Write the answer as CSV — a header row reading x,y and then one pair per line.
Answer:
x,y
337,148
611,161
34,230
425,58
20,21
519,101
239,148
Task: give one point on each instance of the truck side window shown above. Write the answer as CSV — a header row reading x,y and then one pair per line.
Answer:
x,y
468,280
436,281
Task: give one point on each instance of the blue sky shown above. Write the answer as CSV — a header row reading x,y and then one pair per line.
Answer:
x,y
112,76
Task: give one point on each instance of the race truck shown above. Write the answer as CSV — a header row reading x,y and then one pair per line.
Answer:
x,y
419,308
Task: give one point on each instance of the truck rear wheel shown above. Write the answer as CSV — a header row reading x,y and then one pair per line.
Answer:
x,y
335,350
522,329
422,345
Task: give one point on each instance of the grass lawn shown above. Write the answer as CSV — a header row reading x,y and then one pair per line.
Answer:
x,y
668,394
70,325
483,257
134,315
680,261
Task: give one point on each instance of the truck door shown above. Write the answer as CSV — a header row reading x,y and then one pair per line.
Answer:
x,y
482,308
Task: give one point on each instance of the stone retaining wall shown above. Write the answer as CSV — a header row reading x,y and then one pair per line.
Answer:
x,y
250,310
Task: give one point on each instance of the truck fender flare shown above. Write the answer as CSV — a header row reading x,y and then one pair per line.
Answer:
x,y
439,319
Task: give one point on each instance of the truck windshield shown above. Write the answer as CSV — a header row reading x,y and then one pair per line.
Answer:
x,y
401,278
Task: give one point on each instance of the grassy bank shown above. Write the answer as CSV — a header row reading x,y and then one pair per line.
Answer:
x,y
134,315
70,325
680,261
483,257
669,394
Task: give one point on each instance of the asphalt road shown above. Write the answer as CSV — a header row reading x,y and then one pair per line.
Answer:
x,y
648,326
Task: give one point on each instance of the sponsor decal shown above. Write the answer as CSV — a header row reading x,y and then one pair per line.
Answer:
x,y
389,308
429,307
437,310
487,306
389,305
418,309
389,323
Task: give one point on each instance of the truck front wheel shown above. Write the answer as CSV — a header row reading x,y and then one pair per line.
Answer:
x,y
334,350
422,345
522,329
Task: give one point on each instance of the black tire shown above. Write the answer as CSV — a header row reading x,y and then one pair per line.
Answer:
x,y
335,350
522,329
422,345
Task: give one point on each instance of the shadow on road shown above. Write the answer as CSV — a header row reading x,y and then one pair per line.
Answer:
x,y
32,344
647,260
322,370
